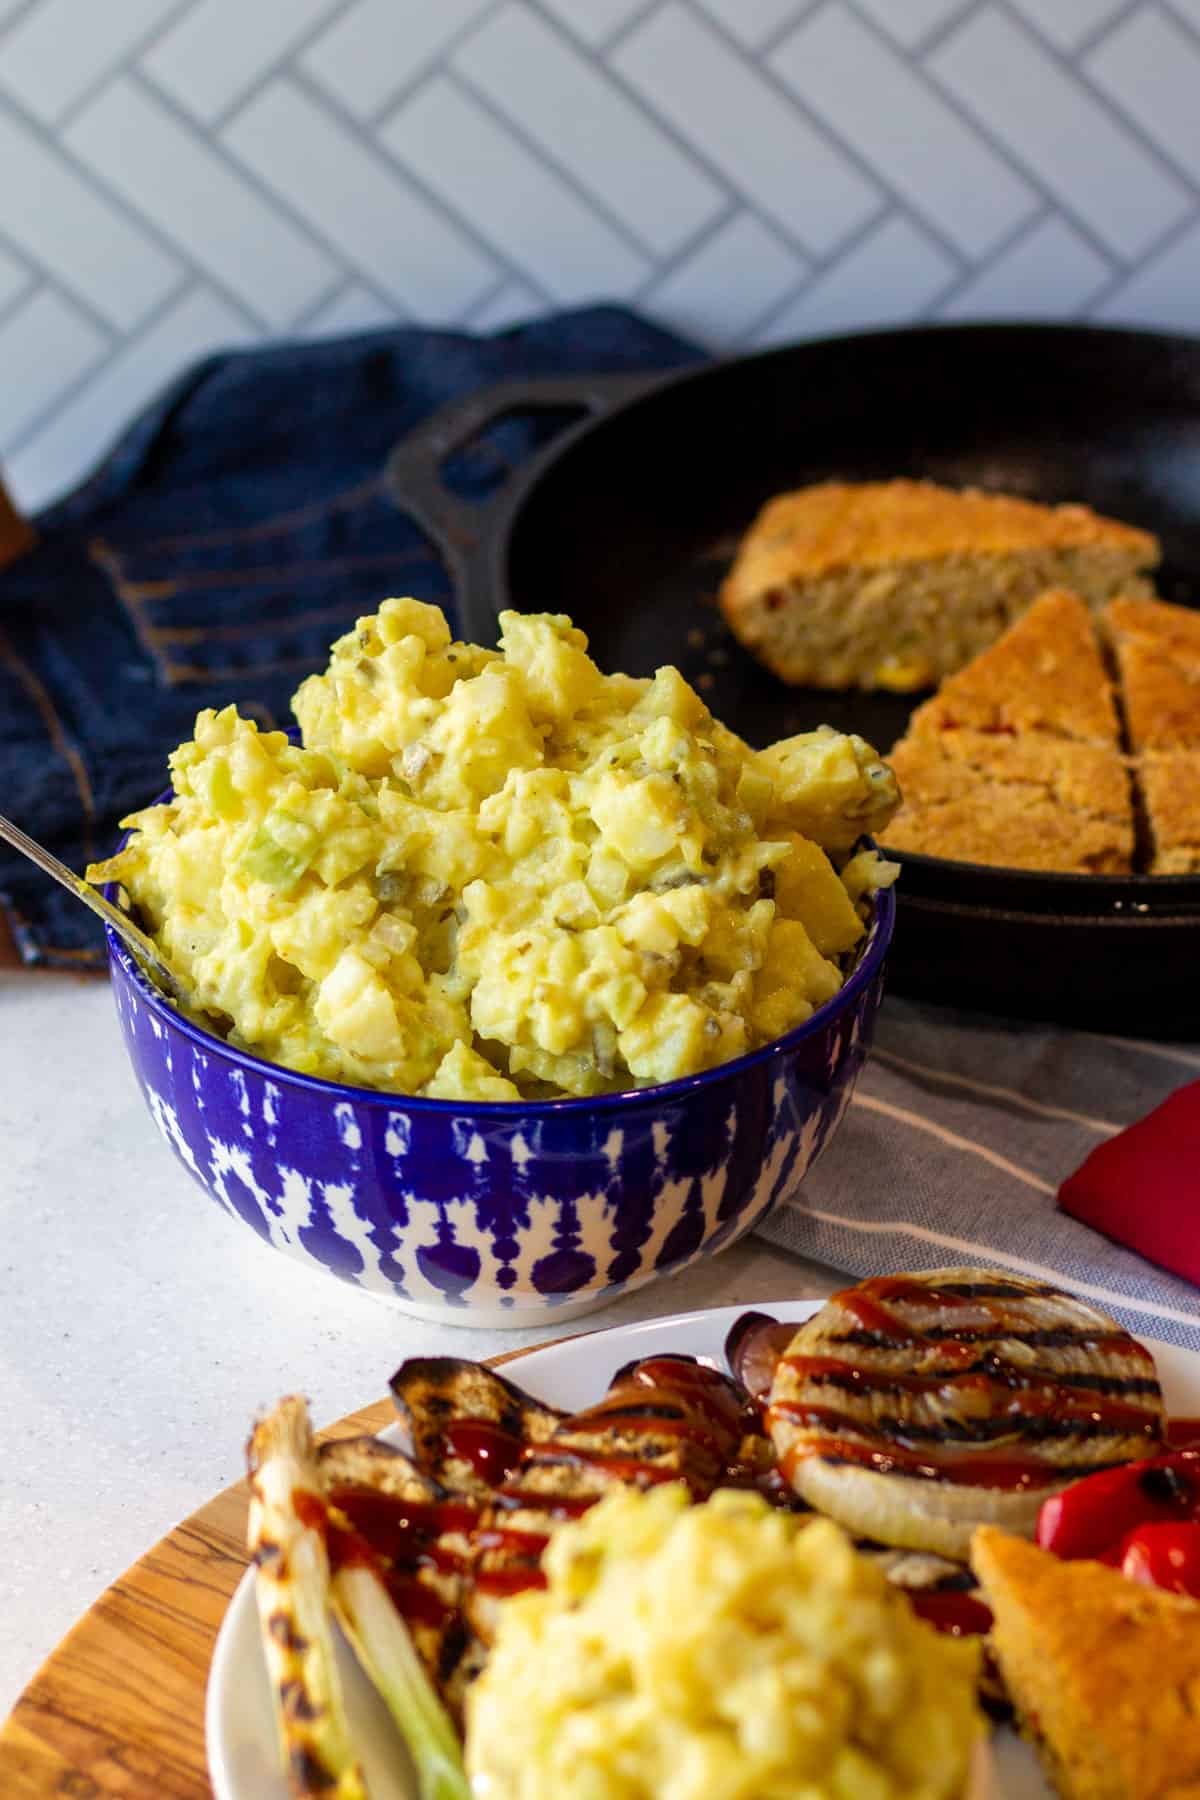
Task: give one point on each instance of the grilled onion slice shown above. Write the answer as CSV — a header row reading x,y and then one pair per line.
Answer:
x,y
912,1408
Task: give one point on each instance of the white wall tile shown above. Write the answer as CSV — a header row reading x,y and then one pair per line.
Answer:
x,y
352,309
14,276
1050,124
44,337
1189,11
1164,292
583,122
188,190
882,167
865,91
350,194
594,21
910,22
752,22
724,288
512,303
510,198
1051,272
63,451
1067,22
369,53
75,234
1150,68
192,60
58,51
737,120
894,273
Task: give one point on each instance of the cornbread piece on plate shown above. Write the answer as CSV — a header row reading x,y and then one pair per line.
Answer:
x,y
1015,762
895,584
1157,649
1104,1673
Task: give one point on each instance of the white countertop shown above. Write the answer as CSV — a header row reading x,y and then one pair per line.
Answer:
x,y
140,1327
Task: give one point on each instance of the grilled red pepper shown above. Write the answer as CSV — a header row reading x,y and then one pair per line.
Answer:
x,y
1164,1555
1094,1516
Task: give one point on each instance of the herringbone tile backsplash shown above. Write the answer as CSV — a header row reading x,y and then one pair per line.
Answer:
x,y
178,175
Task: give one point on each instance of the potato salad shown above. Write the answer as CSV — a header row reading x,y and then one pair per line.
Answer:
x,y
488,874
686,1652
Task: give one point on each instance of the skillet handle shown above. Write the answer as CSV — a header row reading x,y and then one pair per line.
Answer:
x,y
463,529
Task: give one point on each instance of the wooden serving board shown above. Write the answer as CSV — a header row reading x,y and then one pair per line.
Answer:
x,y
118,1709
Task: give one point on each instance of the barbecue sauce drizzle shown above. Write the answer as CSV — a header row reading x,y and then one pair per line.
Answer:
x,y
1040,1396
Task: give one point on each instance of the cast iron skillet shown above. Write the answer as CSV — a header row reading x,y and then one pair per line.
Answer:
x,y
629,519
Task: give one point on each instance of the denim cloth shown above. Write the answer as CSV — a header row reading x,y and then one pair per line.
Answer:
x,y
240,524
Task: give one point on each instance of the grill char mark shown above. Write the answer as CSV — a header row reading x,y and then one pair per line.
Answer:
x,y
967,1431
1058,1337
1004,1375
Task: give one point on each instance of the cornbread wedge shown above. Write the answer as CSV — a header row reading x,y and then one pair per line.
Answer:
x,y
1157,650
1104,1673
895,584
1016,761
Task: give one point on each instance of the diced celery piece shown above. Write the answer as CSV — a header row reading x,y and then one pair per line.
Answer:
x,y
223,796
280,851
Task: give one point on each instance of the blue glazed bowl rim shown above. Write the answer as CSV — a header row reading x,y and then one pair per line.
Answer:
x,y
869,964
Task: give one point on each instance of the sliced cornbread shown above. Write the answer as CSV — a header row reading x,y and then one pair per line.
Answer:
x,y
895,584
1046,675
1033,802
1157,650
1104,1674
1015,762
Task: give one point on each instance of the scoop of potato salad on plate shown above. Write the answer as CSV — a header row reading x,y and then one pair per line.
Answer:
x,y
489,874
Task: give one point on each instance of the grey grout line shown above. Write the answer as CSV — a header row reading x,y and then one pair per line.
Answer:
x,y
437,63
28,287
1162,246
14,19
499,259
616,38
1009,242
1177,17
943,30
136,50
481,306
279,66
781,33
68,395
1096,36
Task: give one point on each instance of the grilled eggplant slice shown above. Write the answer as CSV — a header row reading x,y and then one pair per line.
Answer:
x,y
912,1408
667,1418
468,1425
287,1541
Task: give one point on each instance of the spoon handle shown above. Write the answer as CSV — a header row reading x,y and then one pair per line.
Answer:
x,y
144,948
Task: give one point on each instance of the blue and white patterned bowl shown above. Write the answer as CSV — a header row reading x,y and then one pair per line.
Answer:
x,y
507,1213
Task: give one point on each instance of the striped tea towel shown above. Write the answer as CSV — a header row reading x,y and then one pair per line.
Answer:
x,y
953,1148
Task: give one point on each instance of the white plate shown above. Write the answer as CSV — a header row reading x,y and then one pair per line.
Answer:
x,y
239,1724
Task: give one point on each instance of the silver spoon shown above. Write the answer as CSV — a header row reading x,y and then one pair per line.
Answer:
x,y
146,952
